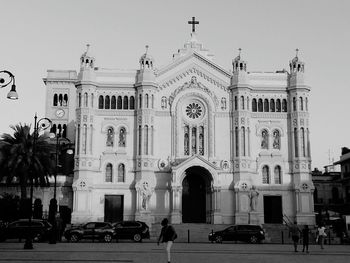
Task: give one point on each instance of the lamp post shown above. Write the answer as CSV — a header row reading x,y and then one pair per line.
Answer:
x,y
12,95
40,125
53,201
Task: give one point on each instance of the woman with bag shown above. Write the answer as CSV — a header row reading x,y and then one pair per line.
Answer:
x,y
167,236
321,234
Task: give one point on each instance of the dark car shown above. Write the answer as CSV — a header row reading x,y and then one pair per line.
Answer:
x,y
92,230
135,230
246,233
37,228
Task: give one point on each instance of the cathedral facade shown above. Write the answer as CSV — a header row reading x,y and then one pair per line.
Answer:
x,y
191,141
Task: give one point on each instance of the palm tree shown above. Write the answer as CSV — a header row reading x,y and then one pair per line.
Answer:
x,y
18,162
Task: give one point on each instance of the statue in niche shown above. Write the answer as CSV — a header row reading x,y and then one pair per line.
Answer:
x,y
110,137
276,140
122,137
264,139
146,193
253,195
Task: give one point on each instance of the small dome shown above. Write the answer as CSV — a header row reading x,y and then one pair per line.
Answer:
x,y
87,53
146,60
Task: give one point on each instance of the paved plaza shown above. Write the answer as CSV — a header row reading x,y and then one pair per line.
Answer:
x,y
124,252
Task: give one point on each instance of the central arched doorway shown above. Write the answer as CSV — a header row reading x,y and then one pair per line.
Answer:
x,y
196,195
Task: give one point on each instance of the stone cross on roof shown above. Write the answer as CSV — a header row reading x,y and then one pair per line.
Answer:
x,y
193,22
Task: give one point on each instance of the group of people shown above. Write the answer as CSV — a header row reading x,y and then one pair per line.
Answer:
x,y
305,234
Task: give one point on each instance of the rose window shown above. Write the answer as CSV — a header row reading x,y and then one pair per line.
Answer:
x,y
194,110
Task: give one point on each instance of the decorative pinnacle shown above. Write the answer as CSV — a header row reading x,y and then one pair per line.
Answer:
x,y
147,46
239,51
87,47
296,51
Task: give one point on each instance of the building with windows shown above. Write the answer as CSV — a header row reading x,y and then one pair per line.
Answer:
x,y
190,141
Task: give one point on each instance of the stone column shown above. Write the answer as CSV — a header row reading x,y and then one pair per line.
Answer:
x,y
175,213
217,216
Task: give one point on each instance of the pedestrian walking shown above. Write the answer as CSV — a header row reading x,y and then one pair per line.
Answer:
x,y
294,229
305,234
321,234
167,236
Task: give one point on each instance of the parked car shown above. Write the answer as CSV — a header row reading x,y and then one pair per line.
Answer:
x,y
246,233
39,229
91,230
135,230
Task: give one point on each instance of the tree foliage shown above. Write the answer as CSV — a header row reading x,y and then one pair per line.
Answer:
x,y
20,161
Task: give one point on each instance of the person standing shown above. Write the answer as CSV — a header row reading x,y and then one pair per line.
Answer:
x,y
294,229
167,236
305,234
321,234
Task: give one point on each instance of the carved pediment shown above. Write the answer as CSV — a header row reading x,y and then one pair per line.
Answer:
x,y
193,84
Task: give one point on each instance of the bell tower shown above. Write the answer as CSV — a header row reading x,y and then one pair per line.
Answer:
x,y
298,93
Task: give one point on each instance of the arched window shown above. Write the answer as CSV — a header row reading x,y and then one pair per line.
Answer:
x,y
65,100
85,99
296,148
278,176
254,105
242,102
264,139
276,140
301,103
84,138
59,130
132,103
122,137
302,142
272,105
265,175
278,105
107,102
140,139
113,103
237,141
260,105
284,105
294,104
140,101
125,103
306,104
119,103
194,140
121,173
60,100
243,141
152,101
78,139
236,103
247,103
146,139
266,105
92,100
53,129
146,101
201,140
186,141
79,100
100,102
64,131
110,137
55,100
109,173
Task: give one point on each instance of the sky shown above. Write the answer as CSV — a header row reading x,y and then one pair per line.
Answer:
x,y
37,35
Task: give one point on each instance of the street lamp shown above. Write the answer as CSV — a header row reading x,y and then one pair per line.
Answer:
x,y
53,202
12,95
40,125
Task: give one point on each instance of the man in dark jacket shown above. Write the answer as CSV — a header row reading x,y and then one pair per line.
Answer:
x,y
167,236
